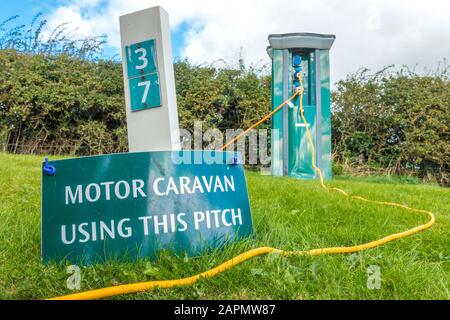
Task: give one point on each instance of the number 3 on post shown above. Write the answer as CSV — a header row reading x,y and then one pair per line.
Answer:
x,y
143,75
141,58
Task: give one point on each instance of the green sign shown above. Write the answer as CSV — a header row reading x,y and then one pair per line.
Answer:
x,y
143,75
132,205
144,92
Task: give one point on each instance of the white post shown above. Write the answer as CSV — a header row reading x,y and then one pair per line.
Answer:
x,y
150,97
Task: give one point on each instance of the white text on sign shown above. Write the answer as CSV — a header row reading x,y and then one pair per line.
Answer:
x,y
135,188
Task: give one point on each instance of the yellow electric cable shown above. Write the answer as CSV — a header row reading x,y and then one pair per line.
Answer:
x,y
144,286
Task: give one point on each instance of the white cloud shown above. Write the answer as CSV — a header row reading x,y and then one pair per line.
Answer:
x,y
84,3
370,33
70,15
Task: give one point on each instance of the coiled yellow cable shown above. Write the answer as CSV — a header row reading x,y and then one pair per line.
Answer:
x,y
144,286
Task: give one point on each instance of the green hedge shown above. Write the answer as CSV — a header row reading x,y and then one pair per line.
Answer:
x,y
60,104
398,122
392,122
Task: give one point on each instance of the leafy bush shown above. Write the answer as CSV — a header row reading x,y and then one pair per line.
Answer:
x,y
53,103
223,98
395,120
61,104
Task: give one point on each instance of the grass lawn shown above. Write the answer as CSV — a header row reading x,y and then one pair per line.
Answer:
x,y
287,213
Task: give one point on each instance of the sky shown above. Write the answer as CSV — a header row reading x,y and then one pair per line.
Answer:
x,y
369,33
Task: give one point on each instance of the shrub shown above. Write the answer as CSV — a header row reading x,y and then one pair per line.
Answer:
x,y
52,103
398,120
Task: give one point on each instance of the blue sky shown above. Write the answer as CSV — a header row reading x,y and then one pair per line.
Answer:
x,y
25,8
369,33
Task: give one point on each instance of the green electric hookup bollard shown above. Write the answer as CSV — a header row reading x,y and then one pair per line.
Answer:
x,y
308,54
